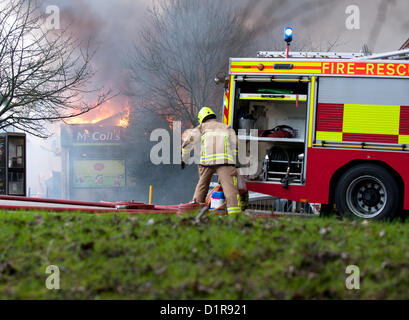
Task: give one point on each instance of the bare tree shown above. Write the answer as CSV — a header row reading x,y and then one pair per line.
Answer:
x,y
183,46
43,73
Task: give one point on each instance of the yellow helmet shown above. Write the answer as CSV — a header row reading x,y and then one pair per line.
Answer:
x,y
203,113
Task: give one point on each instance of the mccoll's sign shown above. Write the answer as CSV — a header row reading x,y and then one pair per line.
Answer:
x,y
96,135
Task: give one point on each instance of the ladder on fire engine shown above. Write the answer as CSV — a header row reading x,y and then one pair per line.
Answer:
x,y
310,55
394,55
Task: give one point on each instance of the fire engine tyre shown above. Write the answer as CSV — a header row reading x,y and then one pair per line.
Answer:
x,y
367,191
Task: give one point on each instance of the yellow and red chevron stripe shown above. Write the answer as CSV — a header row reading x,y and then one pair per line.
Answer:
x,y
228,98
226,108
328,67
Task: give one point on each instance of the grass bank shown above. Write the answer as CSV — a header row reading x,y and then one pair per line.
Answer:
x,y
168,257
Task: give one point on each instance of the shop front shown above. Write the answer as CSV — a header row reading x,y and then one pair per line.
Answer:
x,y
93,162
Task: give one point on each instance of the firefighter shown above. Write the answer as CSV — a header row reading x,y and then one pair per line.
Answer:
x,y
218,155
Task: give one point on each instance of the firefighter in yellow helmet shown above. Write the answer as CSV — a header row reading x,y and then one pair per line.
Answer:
x,y
218,155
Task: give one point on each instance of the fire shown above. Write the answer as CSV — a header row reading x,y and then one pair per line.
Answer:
x,y
109,113
124,121
169,119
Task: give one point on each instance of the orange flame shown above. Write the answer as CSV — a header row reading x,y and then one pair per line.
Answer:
x,y
124,121
169,119
120,117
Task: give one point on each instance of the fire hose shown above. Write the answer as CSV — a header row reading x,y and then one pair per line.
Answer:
x,y
286,179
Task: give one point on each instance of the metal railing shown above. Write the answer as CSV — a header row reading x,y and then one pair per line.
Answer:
x,y
393,55
273,205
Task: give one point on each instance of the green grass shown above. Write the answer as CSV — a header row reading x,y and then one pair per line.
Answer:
x,y
129,257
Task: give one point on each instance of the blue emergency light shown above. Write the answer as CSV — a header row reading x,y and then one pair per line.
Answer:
x,y
288,34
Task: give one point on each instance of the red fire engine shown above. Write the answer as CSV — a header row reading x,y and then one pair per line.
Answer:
x,y
332,128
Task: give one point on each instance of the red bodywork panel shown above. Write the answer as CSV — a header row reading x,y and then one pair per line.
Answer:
x,y
322,163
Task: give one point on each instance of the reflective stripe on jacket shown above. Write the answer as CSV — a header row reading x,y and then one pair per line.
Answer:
x,y
218,143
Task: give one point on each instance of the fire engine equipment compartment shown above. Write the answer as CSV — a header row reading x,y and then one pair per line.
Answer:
x,y
279,110
13,164
356,146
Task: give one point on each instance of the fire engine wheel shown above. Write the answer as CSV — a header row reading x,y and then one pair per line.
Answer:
x,y
367,191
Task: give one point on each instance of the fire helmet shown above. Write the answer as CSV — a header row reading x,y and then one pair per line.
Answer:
x,y
204,113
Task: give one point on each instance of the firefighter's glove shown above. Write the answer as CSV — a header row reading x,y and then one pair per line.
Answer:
x,y
182,165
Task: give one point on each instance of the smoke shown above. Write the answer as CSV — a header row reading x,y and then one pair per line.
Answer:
x,y
110,25
42,160
114,26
